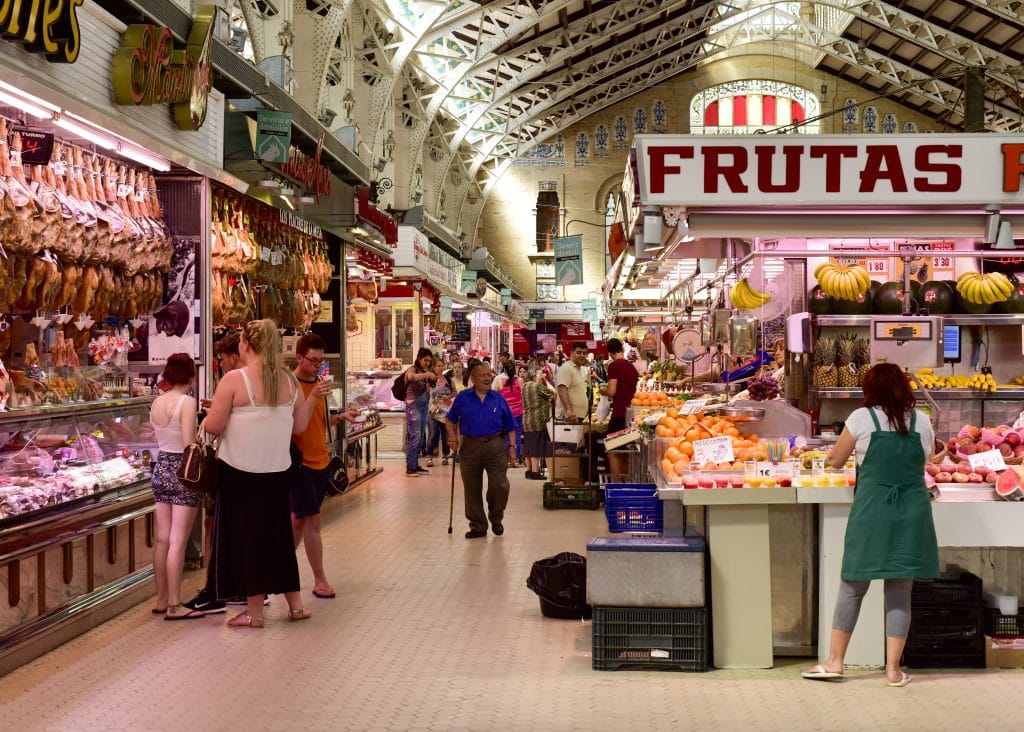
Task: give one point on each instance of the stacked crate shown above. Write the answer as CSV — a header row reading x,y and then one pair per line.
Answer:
x,y
946,624
648,597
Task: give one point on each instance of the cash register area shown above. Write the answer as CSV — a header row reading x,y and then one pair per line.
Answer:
x,y
432,631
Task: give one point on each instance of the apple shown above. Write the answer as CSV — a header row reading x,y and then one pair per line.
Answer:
x,y
953,442
1001,429
947,465
959,477
983,447
932,469
973,431
944,478
969,448
1018,451
965,468
991,477
975,478
1013,439
929,481
1005,450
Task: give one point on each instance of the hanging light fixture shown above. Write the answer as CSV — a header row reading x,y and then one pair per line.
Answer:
x,y
1004,240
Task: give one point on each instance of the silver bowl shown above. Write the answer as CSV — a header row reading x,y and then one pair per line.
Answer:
x,y
750,414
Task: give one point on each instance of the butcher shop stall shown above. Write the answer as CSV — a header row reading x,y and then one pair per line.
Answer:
x,y
104,224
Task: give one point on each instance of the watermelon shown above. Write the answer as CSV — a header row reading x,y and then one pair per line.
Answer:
x,y
972,308
889,299
860,306
938,297
1015,304
820,302
1009,486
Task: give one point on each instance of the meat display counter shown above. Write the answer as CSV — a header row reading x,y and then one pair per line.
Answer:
x,y
76,520
360,444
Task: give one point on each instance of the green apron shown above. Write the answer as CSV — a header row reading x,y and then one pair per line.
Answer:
x,y
890,534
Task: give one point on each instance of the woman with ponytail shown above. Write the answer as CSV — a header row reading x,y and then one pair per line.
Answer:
x,y
256,410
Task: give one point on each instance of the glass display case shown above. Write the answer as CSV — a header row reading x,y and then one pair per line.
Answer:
x,y
372,389
360,446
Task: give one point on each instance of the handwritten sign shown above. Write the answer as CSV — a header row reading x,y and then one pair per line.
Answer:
x,y
713,450
694,406
983,462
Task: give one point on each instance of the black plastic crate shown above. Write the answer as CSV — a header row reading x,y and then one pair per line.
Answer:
x,y
946,624
557,496
652,636
998,625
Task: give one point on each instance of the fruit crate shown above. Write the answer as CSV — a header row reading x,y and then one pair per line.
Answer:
x,y
652,637
998,625
559,496
633,508
946,626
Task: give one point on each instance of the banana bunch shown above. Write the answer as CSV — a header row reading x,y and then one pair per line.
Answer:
x,y
745,297
843,281
984,289
979,381
1018,381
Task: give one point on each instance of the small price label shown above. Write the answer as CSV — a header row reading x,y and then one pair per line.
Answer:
x,y
694,406
942,264
713,450
276,258
991,460
768,468
265,254
877,267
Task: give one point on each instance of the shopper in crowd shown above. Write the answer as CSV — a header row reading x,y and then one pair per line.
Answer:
x,y
538,396
455,375
573,385
890,534
256,410
512,390
470,365
441,394
598,368
229,360
418,378
479,422
173,416
559,357
621,387
310,484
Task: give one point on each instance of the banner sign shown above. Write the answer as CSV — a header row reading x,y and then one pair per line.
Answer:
x,y
759,170
36,147
147,69
568,260
309,171
273,135
506,297
468,284
445,314
52,30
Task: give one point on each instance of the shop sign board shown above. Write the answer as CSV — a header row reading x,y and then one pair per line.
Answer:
x,y
536,313
386,223
461,328
49,28
273,135
845,170
568,260
506,297
468,284
36,147
930,264
147,69
445,314
309,171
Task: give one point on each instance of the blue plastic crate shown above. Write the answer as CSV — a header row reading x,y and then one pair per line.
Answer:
x,y
633,508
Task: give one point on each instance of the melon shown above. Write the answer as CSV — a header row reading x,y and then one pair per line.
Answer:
x,y
938,297
972,308
820,302
889,299
1014,305
1009,486
860,306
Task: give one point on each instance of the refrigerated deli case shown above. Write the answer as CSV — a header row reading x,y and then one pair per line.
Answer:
x,y
76,520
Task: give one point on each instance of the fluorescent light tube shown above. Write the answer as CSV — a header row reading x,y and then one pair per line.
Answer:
x,y
13,101
85,133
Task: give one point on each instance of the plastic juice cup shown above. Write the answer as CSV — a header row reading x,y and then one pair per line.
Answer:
x,y
768,481
851,477
837,479
753,481
690,480
784,481
706,481
736,481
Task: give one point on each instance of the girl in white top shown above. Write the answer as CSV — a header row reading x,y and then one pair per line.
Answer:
x,y
256,410
173,416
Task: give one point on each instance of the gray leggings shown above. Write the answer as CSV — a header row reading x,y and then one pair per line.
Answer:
x,y
897,605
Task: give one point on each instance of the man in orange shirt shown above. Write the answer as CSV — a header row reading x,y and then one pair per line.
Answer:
x,y
309,489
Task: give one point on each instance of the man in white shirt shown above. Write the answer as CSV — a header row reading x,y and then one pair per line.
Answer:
x,y
573,382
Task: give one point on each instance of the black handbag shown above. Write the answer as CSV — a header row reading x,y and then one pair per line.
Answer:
x,y
198,469
337,476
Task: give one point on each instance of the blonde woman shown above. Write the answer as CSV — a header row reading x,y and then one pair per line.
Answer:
x,y
256,410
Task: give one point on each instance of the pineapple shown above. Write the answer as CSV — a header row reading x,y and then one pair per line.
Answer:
x,y
847,377
825,374
862,358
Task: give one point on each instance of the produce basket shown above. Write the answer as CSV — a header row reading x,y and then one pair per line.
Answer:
x,y
557,496
633,508
666,637
946,626
998,625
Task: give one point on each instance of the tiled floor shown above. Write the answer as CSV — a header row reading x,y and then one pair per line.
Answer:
x,y
432,631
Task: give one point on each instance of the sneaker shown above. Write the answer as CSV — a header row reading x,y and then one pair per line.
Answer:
x,y
204,603
444,460
412,474
422,471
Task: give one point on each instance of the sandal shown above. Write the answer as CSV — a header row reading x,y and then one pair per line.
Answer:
x,y
295,616
430,462
245,620
444,460
190,614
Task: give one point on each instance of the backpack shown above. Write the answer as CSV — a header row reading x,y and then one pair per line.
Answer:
x,y
398,387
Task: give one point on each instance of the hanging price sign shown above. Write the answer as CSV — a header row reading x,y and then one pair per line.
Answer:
x,y
877,267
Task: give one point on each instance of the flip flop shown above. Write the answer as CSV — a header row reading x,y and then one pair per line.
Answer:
x,y
190,615
324,594
904,680
158,611
819,673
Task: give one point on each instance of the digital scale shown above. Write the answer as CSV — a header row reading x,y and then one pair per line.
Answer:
x,y
911,342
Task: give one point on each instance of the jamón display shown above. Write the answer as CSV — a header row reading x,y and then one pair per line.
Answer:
x,y
263,267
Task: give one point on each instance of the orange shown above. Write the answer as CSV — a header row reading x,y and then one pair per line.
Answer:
x,y
672,454
731,431
666,466
662,431
686,448
694,434
673,413
681,466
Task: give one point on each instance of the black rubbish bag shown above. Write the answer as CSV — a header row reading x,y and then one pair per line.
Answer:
x,y
561,583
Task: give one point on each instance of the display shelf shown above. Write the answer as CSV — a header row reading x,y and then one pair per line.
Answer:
x,y
69,410
865,320
738,496
823,494
1005,394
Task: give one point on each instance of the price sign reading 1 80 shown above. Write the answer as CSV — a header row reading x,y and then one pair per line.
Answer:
x,y
877,266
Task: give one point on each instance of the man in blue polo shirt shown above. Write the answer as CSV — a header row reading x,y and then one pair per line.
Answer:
x,y
479,422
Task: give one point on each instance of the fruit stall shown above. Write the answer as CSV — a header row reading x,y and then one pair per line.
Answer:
x,y
852,250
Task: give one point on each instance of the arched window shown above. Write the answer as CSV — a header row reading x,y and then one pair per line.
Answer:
x,y
753,105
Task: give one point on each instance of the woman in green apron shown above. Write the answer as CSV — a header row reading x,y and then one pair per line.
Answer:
x,y
890,534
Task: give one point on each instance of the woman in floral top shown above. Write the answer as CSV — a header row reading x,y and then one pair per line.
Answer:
x,y
537,398
441,395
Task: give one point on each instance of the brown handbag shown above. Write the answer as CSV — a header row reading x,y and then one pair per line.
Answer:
x,y
198,469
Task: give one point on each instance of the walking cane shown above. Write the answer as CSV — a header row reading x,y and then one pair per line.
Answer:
x,y
451,503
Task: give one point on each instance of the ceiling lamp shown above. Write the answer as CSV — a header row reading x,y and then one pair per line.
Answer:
x,y
268,183
1005,238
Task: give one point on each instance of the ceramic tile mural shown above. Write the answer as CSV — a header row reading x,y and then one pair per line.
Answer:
x,y
621,130
639,121
546,154
582,149
889,124
601,142
659,114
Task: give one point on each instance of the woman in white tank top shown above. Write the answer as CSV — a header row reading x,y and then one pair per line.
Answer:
x,y
173,416
256,410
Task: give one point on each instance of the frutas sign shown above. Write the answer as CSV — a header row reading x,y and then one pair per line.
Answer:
x,y
831,169
49,27
309,171
147,69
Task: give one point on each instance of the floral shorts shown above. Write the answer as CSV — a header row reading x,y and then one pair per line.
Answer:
x,y
166,486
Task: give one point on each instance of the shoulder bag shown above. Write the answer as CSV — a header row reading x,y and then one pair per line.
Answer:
x,y
198,469
337,469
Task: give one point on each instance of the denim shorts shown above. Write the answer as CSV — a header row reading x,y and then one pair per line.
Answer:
x,y
308,491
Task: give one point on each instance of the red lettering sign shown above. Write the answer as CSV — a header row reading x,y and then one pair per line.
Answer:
x,y
883,163
385,222
1013,166
833,155
924,163
765,155
308,171
659,169
729,169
